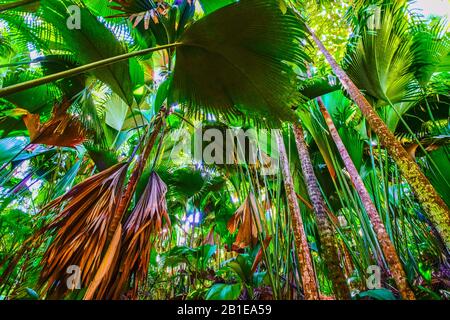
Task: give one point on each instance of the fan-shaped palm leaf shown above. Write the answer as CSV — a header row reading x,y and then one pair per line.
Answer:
x,y
236,61
381,62
84,42
431,49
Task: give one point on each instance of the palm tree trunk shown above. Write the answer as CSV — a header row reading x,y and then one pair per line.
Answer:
x,y
310,289
326,232
387,247
427,196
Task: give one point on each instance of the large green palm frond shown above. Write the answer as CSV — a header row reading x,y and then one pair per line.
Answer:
x,y
25,31
239,60
431,49
92,42
381,60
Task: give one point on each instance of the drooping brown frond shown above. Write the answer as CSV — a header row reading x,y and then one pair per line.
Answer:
x,y
138,11
81,229
248,217
147,220
62,130
209,239
430,143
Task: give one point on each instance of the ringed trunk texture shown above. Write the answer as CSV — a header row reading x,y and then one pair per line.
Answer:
x,y
310,288
431,202
326,231
387,247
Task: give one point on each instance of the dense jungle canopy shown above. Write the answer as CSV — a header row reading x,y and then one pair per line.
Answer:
x,y
221,149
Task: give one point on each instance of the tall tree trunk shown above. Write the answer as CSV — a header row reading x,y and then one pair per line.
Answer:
x,y
429,199
306,266
326,231
386,244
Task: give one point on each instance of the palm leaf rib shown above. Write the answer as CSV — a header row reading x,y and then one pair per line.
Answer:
x,y
238,60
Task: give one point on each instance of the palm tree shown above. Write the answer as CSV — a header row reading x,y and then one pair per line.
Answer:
x,y
307,273
430,200
387,247
202,47
326,232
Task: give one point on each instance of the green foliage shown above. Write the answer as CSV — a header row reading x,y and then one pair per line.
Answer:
x,y
224,291
252,62
84,43
377,294
209,6
382,57
245,62
196,258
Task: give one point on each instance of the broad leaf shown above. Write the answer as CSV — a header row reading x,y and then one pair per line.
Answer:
x,y
209,6
224,291
378,294
238,61
92,42
381,61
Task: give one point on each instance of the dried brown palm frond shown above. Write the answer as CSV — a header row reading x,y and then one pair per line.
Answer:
x,y
80,229
62,130
146,221
430,143
138,11
209,239
248,217
101,286
107,266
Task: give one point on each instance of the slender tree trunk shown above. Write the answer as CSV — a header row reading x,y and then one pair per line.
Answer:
x,y
326,231
306,266
429,199
386,244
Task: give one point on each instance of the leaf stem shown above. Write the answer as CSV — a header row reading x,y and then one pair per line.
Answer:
x,y
78,70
